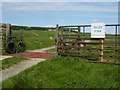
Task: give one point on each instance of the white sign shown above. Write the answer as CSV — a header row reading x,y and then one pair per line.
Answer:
x,y
98,30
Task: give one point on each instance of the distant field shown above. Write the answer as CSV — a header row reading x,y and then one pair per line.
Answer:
x,y
35,39
66,72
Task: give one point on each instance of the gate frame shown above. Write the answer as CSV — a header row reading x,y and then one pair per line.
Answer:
x,y
101,40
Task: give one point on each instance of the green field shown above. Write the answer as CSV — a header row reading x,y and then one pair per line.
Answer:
x,y
35,39
66,72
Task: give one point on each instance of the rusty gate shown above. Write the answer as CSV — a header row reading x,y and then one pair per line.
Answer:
x,y
76,41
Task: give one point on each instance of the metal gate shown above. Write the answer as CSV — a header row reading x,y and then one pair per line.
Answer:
x,y
77,41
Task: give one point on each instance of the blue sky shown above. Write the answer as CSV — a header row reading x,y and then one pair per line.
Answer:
x,y
62,13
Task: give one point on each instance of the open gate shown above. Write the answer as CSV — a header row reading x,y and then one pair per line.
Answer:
x,y
77,41
10,41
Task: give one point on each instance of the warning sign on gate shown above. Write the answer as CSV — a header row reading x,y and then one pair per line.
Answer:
x,y
98,30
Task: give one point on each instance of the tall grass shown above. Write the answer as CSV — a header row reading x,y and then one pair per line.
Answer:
x,y
66,72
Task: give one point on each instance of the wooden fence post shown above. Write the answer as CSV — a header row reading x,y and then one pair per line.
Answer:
x,y
56,39
79,32
101,51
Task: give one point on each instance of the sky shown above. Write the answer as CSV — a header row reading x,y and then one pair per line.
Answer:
x,y
60,0
62,13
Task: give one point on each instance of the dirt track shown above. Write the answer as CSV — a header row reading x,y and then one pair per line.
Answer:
x,y
35,58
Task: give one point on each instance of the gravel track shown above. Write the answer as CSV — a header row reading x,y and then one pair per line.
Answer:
x,y
15,69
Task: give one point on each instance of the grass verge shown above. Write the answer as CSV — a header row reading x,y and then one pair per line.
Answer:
x,y
51,50
11,61
66,72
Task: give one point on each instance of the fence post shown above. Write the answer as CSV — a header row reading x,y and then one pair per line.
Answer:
x,y
79,32
56,39
116,38
101,51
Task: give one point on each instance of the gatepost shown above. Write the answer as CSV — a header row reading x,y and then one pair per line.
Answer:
x,y
98,32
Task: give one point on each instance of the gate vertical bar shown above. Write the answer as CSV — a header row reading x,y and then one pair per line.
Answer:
x,y
79,32
84,32
84,38
56,41
116,39
79,36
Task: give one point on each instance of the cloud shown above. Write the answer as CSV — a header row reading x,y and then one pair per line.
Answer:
x,y
61,20
95,20
49,26
58,6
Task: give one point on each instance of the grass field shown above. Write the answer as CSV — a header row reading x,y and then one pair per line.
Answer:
x,y
66,72
35,39
6,63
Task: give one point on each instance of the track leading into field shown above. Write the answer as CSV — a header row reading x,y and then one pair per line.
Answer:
x,y
35,58
43,55
39,53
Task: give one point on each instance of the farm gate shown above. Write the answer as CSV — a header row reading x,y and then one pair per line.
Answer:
x,y
77,41
11,42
